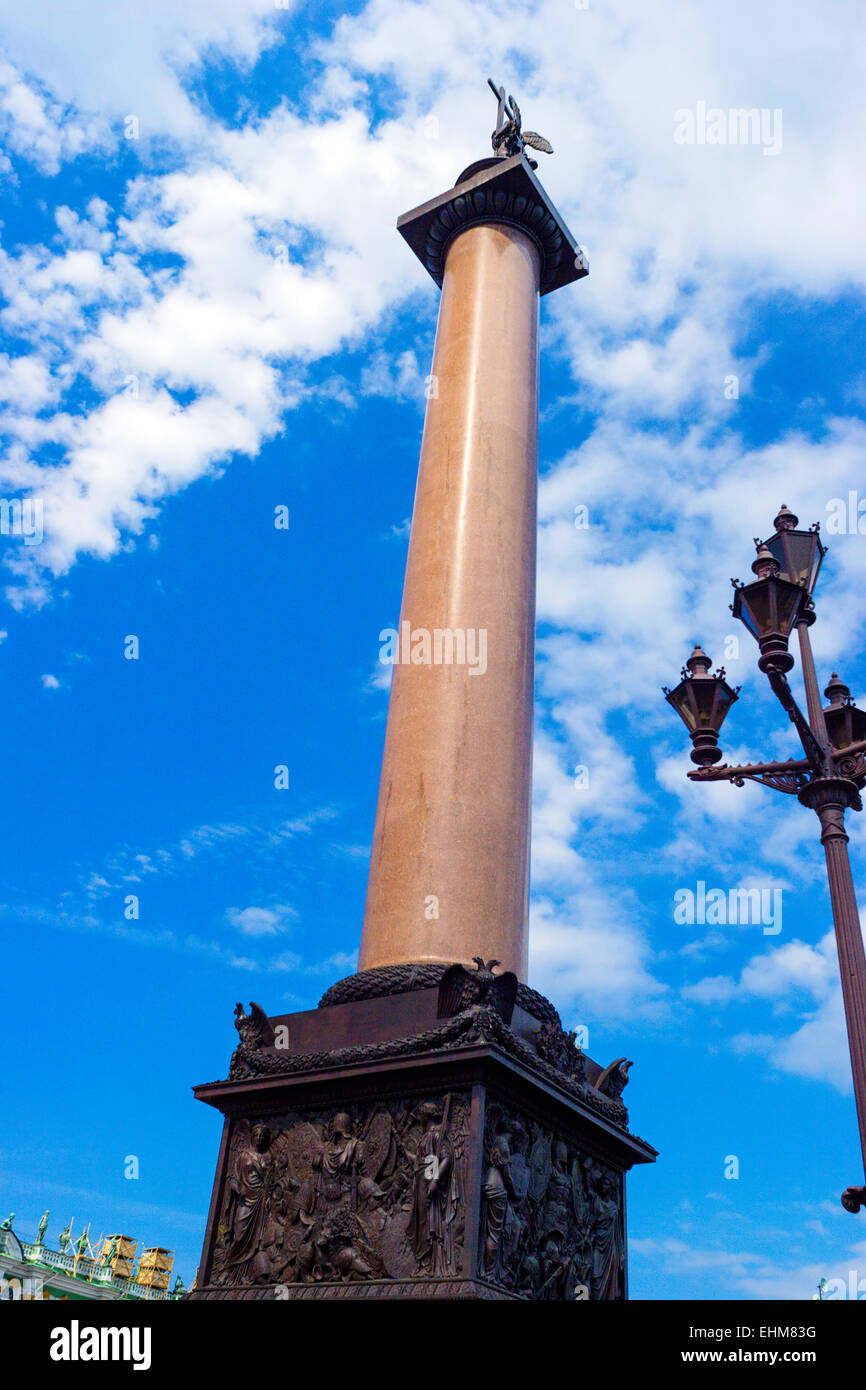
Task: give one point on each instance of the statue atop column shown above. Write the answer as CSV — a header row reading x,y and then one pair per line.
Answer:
x,y
509,137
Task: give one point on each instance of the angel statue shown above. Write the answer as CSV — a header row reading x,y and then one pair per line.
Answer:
x,y
509,137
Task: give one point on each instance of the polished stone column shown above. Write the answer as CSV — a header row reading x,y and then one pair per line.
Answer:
x,y
449,872
449,869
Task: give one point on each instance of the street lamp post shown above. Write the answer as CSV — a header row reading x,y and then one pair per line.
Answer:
x,y
830,775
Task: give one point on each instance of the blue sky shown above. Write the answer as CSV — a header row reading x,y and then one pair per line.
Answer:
x,y
217,318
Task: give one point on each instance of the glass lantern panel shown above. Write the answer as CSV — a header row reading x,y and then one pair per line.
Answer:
x,y
684,705
754,608
786,601
799,556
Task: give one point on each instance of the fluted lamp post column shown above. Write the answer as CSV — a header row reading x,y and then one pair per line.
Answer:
x,y
449,869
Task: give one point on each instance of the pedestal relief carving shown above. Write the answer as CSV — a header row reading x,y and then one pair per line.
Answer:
x,y
416,1145
551,1225
348,1195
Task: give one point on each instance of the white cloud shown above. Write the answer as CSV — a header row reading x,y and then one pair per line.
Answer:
x,y
339,964
713,989
755,1276
794,967
260,921
798,979
50,682
221,328
681,237
286,961
26,383
39,128
112,58
592,961
399,378
380,677
817,1050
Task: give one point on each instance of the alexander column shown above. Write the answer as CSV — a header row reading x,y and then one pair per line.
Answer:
x,y
449,870
430,1130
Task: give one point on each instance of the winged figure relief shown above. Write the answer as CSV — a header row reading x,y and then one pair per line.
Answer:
x,y
249,1181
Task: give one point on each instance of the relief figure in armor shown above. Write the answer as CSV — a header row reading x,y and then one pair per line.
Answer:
x,y
551,1222
560,1194
556,1271
338,1163
338,1183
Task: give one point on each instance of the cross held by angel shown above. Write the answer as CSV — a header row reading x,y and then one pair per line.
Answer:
x,y
509,137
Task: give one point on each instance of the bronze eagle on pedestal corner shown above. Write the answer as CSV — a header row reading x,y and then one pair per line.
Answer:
x,y
614,1079
254,1029
461,989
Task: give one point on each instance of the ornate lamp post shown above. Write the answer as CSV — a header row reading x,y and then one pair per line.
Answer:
x,y
828,778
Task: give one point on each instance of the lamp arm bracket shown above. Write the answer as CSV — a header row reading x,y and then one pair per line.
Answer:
x,y
817,756
786,777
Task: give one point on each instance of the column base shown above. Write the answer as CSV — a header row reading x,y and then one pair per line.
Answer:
x,y
378,1148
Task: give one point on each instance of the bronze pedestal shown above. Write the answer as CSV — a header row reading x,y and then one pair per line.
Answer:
x,y
406,1141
